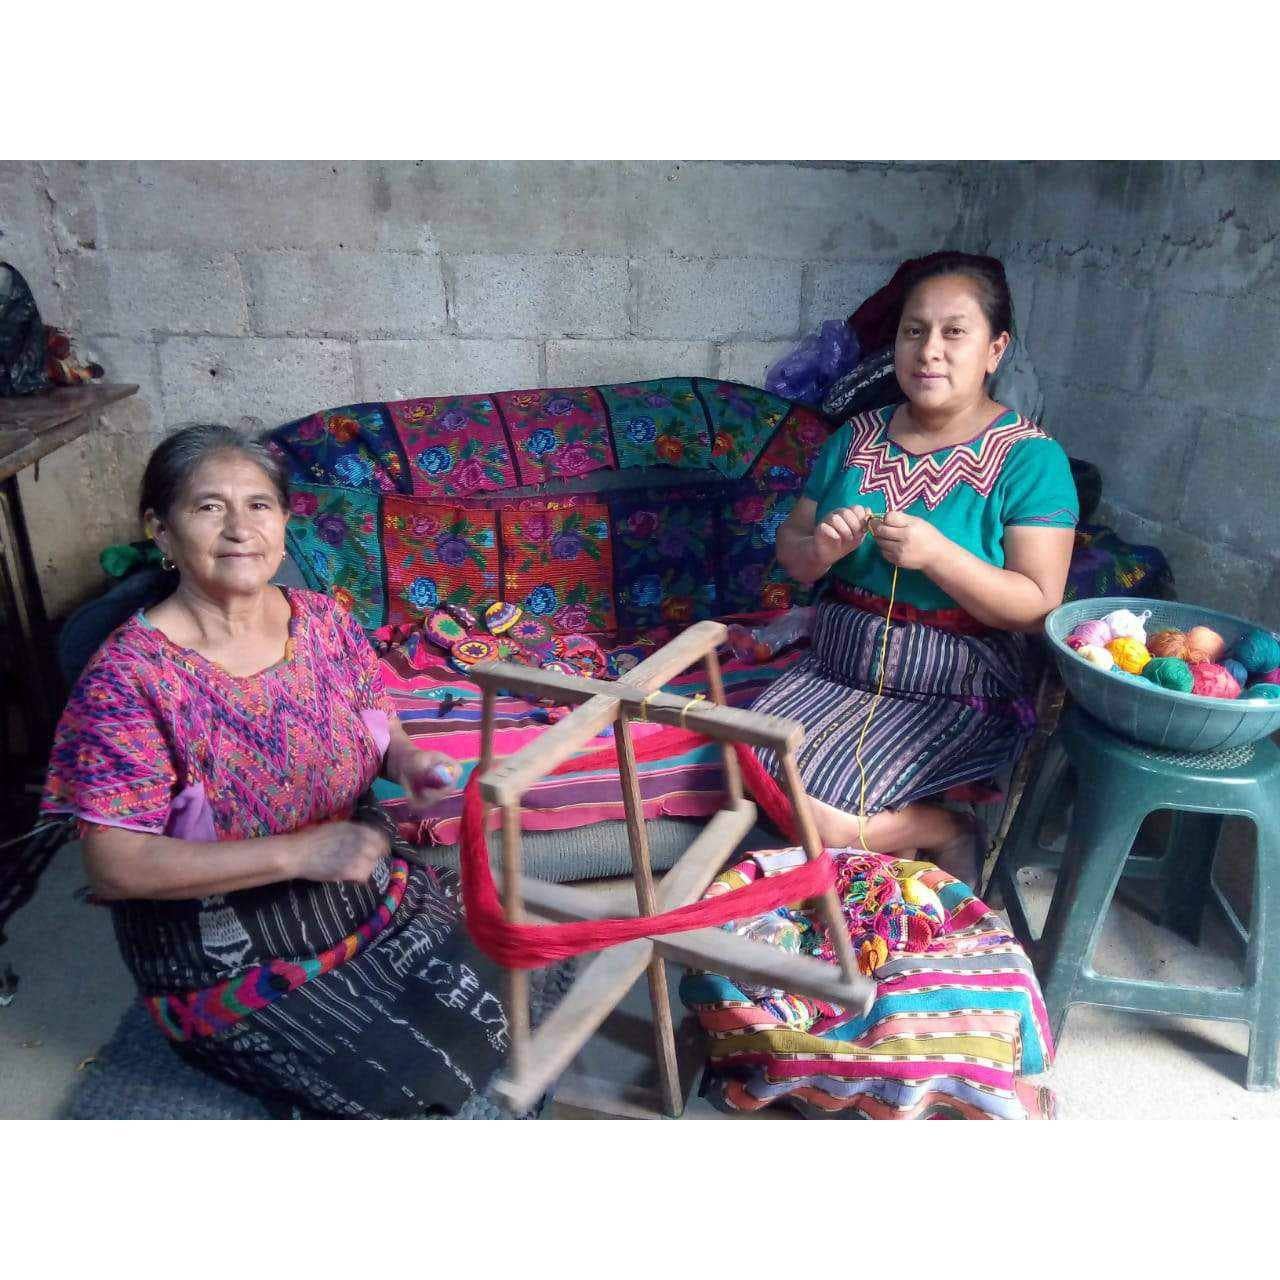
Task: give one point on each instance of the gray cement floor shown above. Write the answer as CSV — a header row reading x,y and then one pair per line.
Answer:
x,y
73,989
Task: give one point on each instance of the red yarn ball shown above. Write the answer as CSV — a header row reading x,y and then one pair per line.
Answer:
x,y
1271,677
1075,642
1212,681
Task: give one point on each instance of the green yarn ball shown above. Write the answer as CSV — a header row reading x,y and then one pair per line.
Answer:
x,y
1169,673
1271,692
1257,651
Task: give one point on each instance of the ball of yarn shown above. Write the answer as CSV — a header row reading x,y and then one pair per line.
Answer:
x,y
1257,651
1238,673
1074,643
1167,644
1126,624
1205,644
905,927
1212,681
1130,655
919,894
1097,656
1169,673
872,951
1269,677
1092,633
1270,692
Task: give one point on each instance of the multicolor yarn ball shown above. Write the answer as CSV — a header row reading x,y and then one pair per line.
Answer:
x,y
1126,624
1238,672
1096,633
1269,692
1168,644
1212,681
1169,673
1204,645
1257,651
1130,655
1097,656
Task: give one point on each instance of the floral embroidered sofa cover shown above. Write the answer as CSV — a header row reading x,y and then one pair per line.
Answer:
x,y
613,510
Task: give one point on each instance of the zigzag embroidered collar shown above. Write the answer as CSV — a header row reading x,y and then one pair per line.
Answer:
x,y
903,478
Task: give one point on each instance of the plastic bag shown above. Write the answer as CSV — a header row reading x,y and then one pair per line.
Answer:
x,y
22,341
807,372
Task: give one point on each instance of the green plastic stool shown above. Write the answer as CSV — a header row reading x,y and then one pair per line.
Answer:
x,y
1119,784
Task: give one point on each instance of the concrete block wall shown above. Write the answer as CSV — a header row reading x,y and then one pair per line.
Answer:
x,y
255,293
1151,305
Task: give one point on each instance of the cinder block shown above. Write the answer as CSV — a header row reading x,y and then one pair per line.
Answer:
x,y
591,363
561,295
1219,352
129,360
1141,444
126,293
749,361
1231,494
342,293
1087,331
25,242
266,381
444,367
718,298
802,212
836,289
255,205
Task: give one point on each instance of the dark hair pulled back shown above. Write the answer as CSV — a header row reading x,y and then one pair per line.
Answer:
x,y
987,275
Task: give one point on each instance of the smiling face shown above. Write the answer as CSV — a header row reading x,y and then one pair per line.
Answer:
x,y
945,348
225,530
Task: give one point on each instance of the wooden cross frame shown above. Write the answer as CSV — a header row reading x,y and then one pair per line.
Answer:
x,y
536,1061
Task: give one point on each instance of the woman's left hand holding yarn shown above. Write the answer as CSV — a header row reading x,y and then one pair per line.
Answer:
x,y
907,541
427,776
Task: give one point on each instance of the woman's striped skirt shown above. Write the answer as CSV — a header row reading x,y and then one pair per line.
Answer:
x,y
955,708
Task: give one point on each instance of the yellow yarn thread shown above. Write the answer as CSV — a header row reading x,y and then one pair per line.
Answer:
x,y
697,697
1130,654
871,710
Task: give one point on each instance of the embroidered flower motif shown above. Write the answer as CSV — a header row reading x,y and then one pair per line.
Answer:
x,y
303,504
435,461
343,429
422,593
656,401
722,444
309,430
677,609
598,530
670,449
344,599
536,527
451,551
560,406
748,510
541,600
425,526
352,469
541,442
565,546
573,460
777,595
640,430
781,475
573,617
454,420
643,524
769,526
469,476
332,529
646,590
809,432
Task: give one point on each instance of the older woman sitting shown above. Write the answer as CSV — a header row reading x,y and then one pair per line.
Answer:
x,y
216,750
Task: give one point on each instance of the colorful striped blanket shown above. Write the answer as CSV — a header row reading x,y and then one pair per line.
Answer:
x,y
685,786
954,1028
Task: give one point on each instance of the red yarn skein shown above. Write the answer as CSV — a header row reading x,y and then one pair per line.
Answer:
x,y
1213,681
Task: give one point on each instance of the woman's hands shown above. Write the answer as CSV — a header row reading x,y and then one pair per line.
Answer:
x,y
907,541
428,776
840,533
335,851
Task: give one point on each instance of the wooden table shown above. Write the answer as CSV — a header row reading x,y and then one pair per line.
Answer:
x,y
31,428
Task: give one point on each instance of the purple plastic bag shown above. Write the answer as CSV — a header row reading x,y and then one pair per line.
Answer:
x,y
806,373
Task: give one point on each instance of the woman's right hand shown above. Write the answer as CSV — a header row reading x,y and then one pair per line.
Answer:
x,y
336,851
840,533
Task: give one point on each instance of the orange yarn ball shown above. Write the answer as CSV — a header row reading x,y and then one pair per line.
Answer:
x,y
1204,645
1129,654
1168,644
